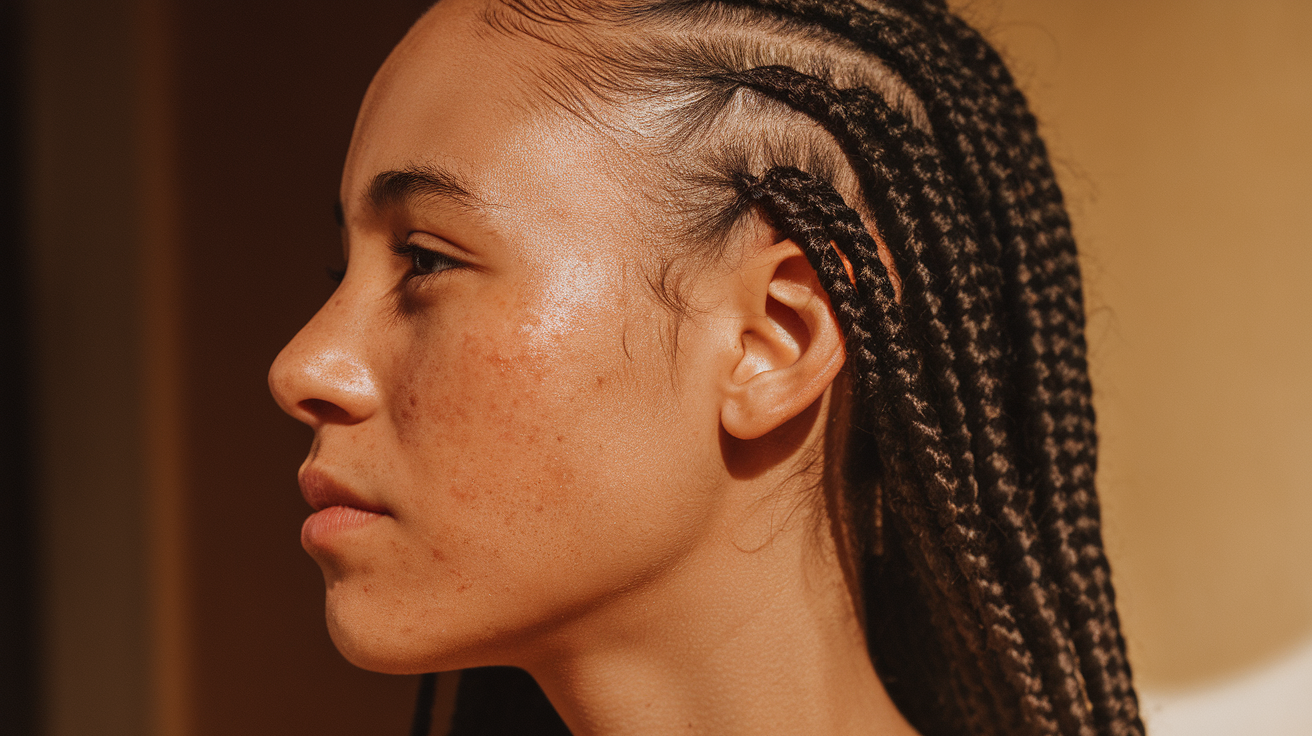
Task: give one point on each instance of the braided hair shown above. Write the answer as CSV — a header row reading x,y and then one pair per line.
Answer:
x,y
889,141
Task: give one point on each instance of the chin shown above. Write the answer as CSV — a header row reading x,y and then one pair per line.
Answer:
x,y
368,655
386,640
368,643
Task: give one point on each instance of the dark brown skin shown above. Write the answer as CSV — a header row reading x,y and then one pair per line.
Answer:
x,y
518,469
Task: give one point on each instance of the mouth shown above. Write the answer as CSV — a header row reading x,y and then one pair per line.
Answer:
x,y
322,492
336,510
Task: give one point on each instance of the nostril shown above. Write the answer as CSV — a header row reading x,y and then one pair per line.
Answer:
x,y
326,411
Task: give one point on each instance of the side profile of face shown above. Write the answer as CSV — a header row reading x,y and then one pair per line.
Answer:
x,y
495,401
469,378
517,454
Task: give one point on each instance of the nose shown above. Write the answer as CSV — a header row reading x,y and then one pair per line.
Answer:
x,y
322,376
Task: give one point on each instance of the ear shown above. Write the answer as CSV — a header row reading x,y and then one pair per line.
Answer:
x,y
791,343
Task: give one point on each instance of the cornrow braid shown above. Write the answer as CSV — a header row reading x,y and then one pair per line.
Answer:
x,y
989,607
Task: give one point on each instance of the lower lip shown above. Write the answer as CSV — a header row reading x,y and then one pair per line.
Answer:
x,y
327,523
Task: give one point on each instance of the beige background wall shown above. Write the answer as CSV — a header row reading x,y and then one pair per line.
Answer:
x,y
1182,133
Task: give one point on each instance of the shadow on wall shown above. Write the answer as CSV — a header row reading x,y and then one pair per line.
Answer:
x,y
1270,700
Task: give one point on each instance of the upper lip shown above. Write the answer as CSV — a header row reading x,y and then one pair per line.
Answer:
x,y
321,491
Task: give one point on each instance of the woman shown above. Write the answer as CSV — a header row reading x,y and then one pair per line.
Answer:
x,y
719,364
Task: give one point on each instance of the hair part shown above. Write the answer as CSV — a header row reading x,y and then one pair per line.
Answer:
x,y
671,95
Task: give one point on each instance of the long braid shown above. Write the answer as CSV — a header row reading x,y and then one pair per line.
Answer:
x,y
1074,529
959,516
978,354
1088,573
799,205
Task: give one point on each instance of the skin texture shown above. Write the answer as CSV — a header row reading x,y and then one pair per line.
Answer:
x,y
520,468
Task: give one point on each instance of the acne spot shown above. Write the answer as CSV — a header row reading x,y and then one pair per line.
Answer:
x,y
464,584
414,400
437,555
560,438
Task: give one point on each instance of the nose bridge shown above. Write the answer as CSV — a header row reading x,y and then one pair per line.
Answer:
x,y
324,374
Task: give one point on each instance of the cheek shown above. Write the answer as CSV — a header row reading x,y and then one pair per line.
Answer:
x,y
523,457
474,408
508,430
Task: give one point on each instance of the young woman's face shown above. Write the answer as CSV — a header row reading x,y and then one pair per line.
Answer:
x,y
503,443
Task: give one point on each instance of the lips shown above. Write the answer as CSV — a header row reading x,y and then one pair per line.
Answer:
x,y
337,511
322,492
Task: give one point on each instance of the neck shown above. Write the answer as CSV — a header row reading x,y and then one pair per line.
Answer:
x,y
755,632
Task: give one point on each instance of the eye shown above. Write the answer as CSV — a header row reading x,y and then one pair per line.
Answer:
x,y
424,261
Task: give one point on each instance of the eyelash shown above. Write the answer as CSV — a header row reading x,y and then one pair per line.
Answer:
x,y
423,262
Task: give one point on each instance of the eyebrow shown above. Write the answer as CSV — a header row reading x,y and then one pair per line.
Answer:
x,y
405,186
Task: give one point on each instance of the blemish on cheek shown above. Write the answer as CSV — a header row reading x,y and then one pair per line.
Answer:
x,y
463,585
437,555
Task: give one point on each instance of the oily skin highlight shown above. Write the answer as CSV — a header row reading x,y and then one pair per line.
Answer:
x,y
557,489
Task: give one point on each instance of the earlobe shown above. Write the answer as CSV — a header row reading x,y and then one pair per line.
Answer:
x,y
792,345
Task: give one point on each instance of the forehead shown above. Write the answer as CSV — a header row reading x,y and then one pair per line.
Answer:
x,y
456,96
446,96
